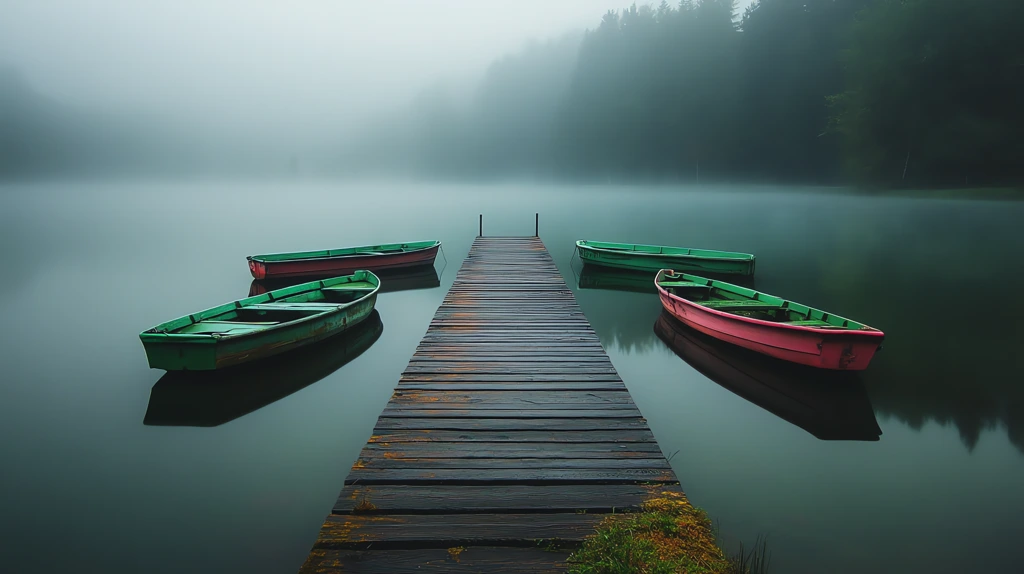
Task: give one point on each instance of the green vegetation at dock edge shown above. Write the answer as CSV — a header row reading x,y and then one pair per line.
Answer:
x,y
667,536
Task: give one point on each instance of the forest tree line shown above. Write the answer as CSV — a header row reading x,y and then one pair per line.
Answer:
x,y
889,92
908,93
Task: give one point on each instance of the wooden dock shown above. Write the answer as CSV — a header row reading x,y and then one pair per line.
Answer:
x,y
509,436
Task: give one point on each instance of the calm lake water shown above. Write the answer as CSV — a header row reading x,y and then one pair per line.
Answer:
x,y
88,487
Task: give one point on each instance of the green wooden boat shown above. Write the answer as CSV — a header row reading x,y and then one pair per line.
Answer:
x,y
653,258
211,398
261,326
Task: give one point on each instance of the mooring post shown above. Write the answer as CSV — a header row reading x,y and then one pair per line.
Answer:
x,y
481,234
536,225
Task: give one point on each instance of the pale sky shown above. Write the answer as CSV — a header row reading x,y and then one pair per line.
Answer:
x,y
311,62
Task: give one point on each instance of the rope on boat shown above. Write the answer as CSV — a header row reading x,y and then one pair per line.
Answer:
x,y
575,252
445,266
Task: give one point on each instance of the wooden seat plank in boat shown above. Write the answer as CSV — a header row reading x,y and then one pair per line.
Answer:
x,y
683,284
735,305
811,323
331,289
298,306
225,327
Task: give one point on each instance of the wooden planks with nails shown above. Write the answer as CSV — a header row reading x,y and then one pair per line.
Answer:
x,y
509,437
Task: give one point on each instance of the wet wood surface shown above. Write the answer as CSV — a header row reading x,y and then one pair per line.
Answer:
x,y
508,438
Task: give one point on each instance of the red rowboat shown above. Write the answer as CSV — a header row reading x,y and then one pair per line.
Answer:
x,y
767,324
333,262
831,405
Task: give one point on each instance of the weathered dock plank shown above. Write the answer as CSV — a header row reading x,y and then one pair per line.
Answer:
x,y
447,499
494,560
508,431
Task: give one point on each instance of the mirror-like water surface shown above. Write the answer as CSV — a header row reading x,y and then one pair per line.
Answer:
x,y
241,481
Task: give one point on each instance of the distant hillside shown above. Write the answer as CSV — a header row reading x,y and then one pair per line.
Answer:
x,y
39,137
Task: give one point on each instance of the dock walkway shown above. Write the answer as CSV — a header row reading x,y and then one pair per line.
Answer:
x,y
509,436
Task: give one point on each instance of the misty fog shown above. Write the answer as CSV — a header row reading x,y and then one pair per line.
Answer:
x,y
868,152
102,87
829,92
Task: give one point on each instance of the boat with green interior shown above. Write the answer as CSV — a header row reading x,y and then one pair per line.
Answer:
x,y
211,398
263,325
652,258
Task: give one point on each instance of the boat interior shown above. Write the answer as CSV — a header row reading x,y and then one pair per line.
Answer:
x,y
745,302
262,311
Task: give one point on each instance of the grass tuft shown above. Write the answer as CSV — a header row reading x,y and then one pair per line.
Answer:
x,y
754,562
667,536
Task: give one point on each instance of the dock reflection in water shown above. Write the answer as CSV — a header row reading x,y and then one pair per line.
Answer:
x,y
829,405
423,277
211,398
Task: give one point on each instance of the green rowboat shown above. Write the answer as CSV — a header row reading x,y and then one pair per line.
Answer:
x,y
211,398
261,326
653,258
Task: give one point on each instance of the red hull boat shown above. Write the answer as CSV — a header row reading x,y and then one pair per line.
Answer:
x,y
333,262
768,324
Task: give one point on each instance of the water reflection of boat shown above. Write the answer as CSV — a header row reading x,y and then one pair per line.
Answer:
x,y
422,277
830,405
211,398
656,257
596,277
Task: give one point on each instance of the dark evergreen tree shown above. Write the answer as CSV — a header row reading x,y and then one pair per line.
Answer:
x,y
934,93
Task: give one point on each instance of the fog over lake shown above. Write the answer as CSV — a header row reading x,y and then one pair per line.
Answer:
x,y
232,87
868,152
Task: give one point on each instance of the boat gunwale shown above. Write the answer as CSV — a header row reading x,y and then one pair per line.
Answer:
x,y
427,245
868,331
584,244
153,336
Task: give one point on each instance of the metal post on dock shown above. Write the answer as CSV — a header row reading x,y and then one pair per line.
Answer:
x,y
481,234
536,225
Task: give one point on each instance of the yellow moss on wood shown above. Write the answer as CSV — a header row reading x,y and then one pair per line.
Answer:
x,y
455,552
364,506
667,536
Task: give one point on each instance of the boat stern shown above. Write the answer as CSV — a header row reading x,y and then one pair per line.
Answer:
x,y
257,268
180,353
849,353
